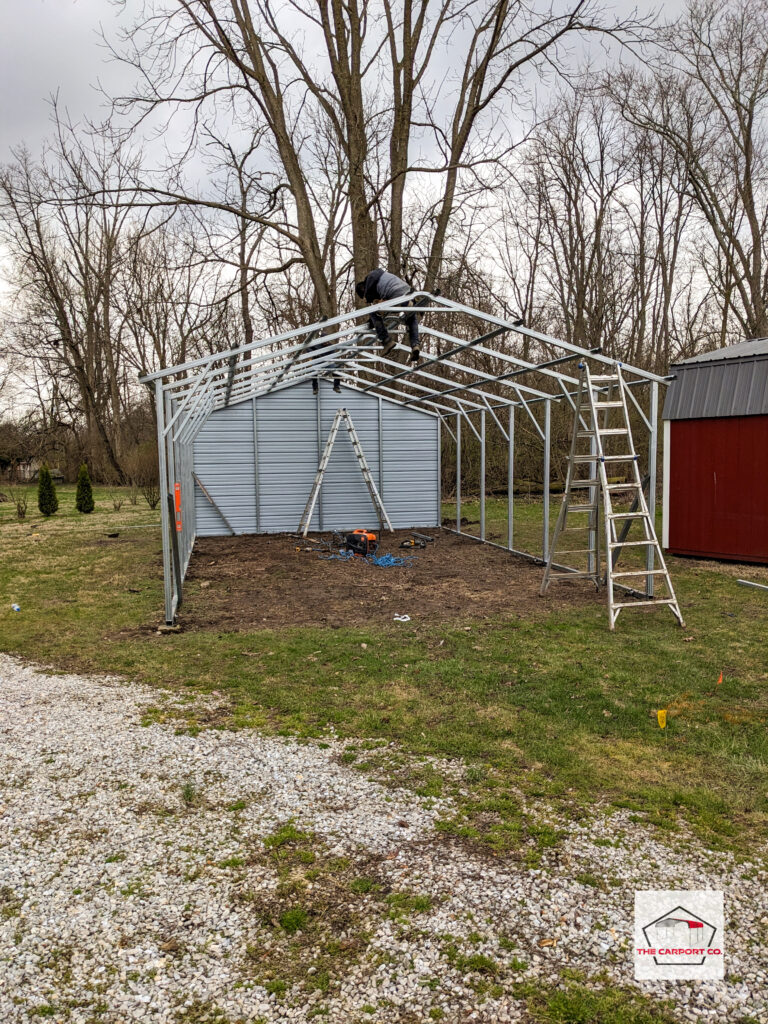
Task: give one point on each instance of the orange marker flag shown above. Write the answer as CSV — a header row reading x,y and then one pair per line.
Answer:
x,y
719,680
662,718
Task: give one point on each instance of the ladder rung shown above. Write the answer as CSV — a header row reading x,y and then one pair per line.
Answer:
x,y
572,575
605,458
640,604
584,483
624,487
632,543
609,405
612,431
644,572
581,508
604,379
627,515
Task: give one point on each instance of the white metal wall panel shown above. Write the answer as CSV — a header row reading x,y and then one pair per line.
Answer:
x,y
224,462
410,447
346,503
280,467
286,423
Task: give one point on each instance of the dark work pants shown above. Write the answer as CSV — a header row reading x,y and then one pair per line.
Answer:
x,y
411,322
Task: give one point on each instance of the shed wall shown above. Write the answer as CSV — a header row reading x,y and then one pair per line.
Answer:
x,y
258,460
718,488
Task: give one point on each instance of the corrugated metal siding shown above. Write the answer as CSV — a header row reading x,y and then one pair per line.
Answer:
x,y
736,387
718,488
287,456
224,462
346,503
286,424
753,347
411,467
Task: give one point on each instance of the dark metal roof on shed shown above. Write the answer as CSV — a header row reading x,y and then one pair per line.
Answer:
x,y
743,350
730,381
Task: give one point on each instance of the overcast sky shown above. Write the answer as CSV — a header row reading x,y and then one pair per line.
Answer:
x,y
49,46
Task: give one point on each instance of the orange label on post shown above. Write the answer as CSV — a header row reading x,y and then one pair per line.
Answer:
x,y
177,495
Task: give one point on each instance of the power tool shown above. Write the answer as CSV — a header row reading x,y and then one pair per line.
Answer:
x,y
414,542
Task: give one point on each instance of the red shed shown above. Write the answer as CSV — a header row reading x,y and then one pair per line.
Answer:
x,y
716,455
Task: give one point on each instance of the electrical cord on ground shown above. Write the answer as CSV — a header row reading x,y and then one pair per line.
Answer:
x,y
386,561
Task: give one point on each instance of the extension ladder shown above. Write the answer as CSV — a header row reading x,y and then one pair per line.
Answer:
x,y
596,398
343,414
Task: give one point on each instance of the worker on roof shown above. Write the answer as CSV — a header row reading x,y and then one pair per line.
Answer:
x,y
378,286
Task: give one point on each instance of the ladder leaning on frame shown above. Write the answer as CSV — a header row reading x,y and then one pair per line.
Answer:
x,y
596,399
343,415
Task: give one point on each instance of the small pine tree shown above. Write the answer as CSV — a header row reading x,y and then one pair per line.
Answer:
x,y
47,501
84,494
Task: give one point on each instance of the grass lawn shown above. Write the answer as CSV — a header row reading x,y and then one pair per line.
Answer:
x,y
553,707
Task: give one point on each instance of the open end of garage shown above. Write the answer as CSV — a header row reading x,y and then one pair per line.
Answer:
x,y
262,582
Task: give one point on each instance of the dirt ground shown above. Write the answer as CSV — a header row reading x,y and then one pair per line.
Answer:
x,y
257,582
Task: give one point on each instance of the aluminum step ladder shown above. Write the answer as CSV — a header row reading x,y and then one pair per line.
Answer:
x,y
598,401
342,415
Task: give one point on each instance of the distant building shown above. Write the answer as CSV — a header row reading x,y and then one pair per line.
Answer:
x,y
716,455
28,471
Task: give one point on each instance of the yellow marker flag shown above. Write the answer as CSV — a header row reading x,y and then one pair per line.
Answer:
x,y
662,717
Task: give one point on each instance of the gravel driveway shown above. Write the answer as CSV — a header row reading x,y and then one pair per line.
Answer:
x,y
147,875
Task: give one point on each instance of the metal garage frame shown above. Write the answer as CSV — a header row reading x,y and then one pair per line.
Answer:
x,y
447,382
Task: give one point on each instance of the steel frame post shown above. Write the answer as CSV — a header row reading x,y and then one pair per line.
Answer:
x,y
458,472
189,530
653,442
176,559
319,457
164,518
546,471
482,474
381,448
593,557
170,444
511,479
256,490
173,477
439,471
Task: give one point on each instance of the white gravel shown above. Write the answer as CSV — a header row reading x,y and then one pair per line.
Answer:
x,y
122,901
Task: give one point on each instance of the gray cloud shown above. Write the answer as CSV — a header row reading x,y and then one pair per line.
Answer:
x,y
49,46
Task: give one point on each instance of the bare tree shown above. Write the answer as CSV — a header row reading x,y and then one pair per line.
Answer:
x,y
574,177
66,251
710,108
170,300
369,71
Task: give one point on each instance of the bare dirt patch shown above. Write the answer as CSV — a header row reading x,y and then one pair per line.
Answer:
x,y
259,582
